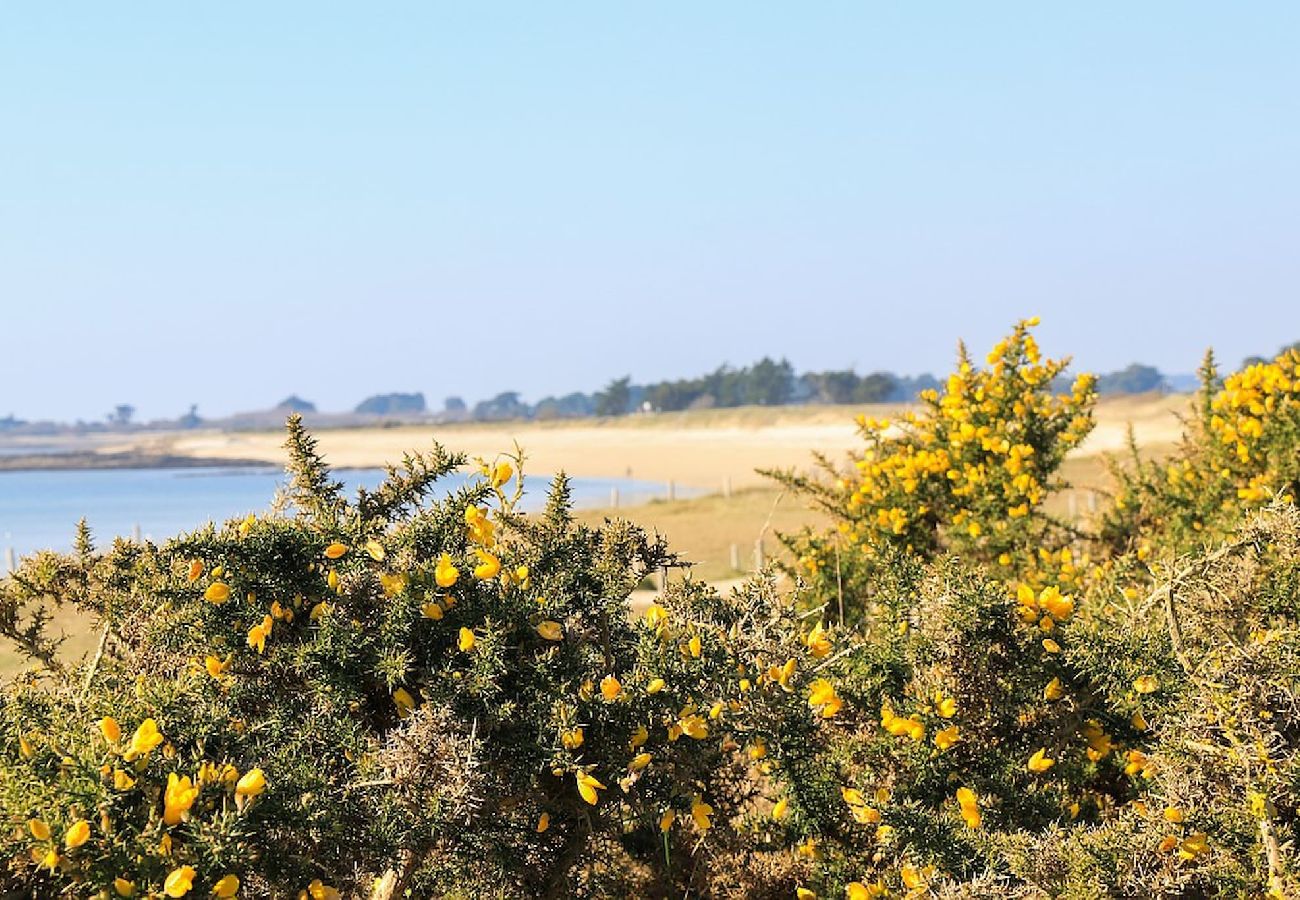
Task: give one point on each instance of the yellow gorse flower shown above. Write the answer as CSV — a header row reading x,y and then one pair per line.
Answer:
x,y
39,829
944,738
701,813
179,881
226,887
970,811
587,787
445,573
502,472
215,666
818,641
109,728
178,798
1146,684
258,634
217,593
144,741
488,566
318,890
404,701
478,527
252,784
822,696
1038,762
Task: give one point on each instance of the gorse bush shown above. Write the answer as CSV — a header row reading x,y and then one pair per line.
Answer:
x,y
968,474
1239,453
400,697
960,695
1038,681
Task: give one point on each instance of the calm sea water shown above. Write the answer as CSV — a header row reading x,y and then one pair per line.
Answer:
x,y
39,510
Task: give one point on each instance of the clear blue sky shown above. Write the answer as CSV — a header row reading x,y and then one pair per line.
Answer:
x,y
224,203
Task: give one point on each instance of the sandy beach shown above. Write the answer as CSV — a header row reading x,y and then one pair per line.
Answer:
x,y
700,449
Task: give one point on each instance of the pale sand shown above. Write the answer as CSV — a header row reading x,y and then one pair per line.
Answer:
x,y
698,450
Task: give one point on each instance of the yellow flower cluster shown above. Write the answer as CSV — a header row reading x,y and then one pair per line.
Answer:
x,y
176,798
972,469
1254,405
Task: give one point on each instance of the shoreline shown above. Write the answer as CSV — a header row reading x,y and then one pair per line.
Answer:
x,y
91,461
708,450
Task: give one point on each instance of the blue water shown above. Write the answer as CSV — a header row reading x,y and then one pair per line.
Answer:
x,y
39,510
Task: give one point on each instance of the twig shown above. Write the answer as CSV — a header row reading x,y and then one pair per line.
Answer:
x,y
94,665
1176,631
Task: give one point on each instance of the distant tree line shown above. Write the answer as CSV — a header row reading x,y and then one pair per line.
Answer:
x,y
767,382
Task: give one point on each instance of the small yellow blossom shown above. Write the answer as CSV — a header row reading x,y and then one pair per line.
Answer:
x,y
179,881
445,574
251,785
818,641
970,811
1039,762
178,798
404,701
226,887
39,829
946,737
1146,684
700,813
587,787
109,728
217,593
821,694
145,740
489,566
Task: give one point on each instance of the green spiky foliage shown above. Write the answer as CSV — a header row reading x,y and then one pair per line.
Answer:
x,y
444,697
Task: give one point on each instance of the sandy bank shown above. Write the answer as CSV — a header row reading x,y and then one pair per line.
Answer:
x,y
700,450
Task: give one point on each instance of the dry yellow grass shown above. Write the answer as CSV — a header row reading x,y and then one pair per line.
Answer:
x,y
704,530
